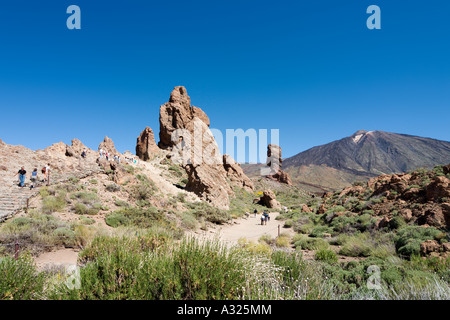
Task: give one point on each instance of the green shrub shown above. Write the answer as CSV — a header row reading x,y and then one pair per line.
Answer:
x,y
116,219
326,255
64,235
19,280
408,239
52,204
319,231
121,203
112,187
311,244
81,209
203,210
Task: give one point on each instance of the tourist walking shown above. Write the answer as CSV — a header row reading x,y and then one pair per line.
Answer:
x,y
34,178
255,212
22,176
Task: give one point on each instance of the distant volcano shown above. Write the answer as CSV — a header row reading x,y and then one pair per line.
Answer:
x,y
365,154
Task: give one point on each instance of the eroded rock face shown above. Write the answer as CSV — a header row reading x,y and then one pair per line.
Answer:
x,y
108,146
146,145
209,183
236,175
269,200
76,149
177,114
185,133
274,161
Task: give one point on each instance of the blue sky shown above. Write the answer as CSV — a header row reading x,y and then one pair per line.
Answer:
x,y
311,69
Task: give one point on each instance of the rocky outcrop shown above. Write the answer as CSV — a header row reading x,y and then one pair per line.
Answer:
x,y
236,175
177,114
434,248
146,145
209,183
420,197
185,133
269,200
274,161
76,149
108,146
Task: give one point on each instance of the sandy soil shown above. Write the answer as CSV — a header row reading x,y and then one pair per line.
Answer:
x,y
61,257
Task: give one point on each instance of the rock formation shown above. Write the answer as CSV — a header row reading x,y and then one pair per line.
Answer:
x,y
420,197
146,145
184,131
269,200
274,161
108,146
236,175
177,114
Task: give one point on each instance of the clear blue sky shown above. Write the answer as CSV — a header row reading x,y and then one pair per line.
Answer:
x,y
309,68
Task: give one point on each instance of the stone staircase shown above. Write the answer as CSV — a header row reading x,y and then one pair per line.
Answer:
x,y
13,200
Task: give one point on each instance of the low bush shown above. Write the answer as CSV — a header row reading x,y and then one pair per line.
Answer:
x,y
408,240
326,255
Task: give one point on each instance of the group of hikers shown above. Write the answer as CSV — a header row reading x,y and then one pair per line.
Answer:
x,y
22,173
264,216
117,158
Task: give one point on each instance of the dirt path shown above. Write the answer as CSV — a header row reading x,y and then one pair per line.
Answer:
x,y
248,228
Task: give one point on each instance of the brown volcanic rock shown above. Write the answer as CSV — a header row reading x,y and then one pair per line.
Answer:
x,y
146,145
274,161
236,175
77,148
108,146
429,246
177,114
209,183
438,188
269,200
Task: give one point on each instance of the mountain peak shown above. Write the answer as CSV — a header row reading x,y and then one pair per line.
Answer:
x,y
359,132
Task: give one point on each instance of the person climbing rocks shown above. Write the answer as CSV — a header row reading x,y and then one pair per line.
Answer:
x,y
101,153
83,154
46,171
22,176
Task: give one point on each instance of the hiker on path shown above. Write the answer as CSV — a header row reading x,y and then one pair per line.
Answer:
x,y
255,212
262,219
34,177
22,176
46,171
266,216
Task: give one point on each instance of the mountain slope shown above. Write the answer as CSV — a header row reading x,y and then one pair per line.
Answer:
x,y
365,154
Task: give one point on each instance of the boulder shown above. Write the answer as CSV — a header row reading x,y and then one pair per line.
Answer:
x,y
269,200
438,188
146,145
305,208
429,246
446,169
406,214
446,213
